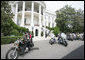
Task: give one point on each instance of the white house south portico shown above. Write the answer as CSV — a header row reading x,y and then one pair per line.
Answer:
x,y
32,15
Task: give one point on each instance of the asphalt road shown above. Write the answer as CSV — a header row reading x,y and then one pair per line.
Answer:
x,y
43,50
76,54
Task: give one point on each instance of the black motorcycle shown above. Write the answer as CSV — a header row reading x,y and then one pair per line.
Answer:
x,y
62,41
20,47
52,41
70,37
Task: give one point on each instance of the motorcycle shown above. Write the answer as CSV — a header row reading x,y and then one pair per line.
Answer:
x,y
81,37
62,41
70,37
20,47
52,41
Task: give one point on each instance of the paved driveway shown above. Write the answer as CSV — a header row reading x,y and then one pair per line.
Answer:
x,y
43,50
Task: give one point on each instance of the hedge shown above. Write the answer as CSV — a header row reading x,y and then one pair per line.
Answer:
x,y
8,39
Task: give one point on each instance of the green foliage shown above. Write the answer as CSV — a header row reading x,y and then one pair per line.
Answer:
x,y
56,31
6,17
69,16
49,28
23,29
8,39
14,32
78,23
8,27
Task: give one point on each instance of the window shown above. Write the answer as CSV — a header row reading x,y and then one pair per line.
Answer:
x,y
49,24
25,21
18,21
52,24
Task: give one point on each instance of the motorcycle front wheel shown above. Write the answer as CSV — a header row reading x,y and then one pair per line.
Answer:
x,y
65,43
12,54
51,42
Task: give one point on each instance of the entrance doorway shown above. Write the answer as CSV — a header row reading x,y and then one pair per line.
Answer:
x,y
36,32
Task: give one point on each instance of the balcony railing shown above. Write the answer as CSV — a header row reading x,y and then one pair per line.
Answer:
x,y
26,24
36,24
30,10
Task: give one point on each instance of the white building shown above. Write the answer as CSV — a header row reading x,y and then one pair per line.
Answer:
x,y
33,15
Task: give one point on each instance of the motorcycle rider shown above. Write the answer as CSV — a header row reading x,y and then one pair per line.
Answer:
x,y
30,36
62,36
25,42
52,36
29,39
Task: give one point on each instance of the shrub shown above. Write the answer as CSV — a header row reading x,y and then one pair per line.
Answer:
x,y
14,32
20,34
23,29
56,31
49,28
8,39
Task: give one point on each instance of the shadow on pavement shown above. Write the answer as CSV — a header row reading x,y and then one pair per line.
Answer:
x,y
34,48
76,54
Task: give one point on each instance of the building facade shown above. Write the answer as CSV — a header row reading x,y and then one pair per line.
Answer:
x,y
33,15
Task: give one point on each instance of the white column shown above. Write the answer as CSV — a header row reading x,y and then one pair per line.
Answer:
x,y
16,13
44,21
55,22
39,20
23,14
51,22
47,20
32,15
40,15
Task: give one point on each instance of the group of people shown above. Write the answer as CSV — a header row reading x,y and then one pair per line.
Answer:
x,y
75,36
65,36
60,35
27,36
27,41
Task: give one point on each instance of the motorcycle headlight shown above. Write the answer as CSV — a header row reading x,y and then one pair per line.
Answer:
x,y
16,43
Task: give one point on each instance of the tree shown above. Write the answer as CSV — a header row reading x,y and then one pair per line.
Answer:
x,y
78,23
6,17
65,17
8,27
69,20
